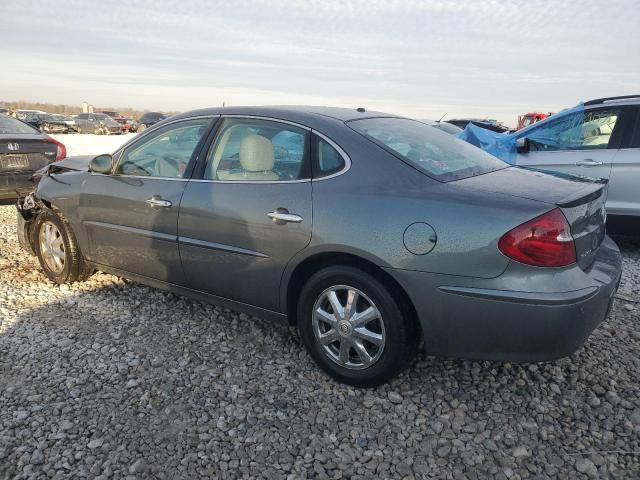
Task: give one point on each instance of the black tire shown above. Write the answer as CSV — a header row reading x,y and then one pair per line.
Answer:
x,y
401,332
75,269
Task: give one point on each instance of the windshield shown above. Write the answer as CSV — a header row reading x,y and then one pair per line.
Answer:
x,y
11,125
435,153
105,119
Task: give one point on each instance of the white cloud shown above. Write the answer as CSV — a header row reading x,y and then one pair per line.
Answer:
x,y
422,58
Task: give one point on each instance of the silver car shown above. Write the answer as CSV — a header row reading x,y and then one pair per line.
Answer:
x,y
371,233
602,140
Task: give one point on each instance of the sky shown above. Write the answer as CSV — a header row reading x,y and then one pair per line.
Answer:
x,y
425,59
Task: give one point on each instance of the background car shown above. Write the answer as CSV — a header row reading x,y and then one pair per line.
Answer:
x,y
488,124
369,232
20,114
98,124
23,150
128,124
112,113
149,119
444,126
47,123
600,139
68,120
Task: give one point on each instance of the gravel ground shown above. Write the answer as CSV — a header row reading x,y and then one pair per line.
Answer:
x,y
111,379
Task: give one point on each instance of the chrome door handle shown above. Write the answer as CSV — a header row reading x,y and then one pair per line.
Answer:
x,y
588,162
280,216
158,202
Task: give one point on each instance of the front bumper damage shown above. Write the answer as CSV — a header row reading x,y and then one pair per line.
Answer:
x,y
27,208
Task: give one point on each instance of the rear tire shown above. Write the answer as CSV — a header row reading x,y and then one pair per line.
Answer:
x,y
57,250
369,341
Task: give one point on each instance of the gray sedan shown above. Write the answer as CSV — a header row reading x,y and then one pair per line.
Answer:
x,y
371,233
98,124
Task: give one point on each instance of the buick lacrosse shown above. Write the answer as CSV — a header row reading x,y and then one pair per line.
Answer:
x,y
372,233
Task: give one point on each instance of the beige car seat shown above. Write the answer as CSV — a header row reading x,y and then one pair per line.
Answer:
x,y
256,158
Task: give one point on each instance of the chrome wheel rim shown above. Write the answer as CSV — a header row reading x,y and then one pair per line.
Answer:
x,y
349,327
52,247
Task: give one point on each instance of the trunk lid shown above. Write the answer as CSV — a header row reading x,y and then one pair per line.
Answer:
x,y
24,153
581,200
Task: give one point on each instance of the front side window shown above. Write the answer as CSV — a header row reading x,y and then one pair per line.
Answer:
x,y
165,152
434,152
581,130
257,150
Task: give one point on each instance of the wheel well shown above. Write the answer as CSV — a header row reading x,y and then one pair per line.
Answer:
x,y
317,262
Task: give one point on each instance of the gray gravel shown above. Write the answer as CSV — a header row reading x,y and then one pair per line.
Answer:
x,y
110,379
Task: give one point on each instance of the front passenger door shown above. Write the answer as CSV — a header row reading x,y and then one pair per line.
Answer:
x,y
130,217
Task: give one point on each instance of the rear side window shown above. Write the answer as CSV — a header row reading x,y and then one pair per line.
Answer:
x,y
433,152
328,159
10,125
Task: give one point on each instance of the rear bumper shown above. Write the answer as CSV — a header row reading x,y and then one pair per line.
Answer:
x,y
13,184
471,321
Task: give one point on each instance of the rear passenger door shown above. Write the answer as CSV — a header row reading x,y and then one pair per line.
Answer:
x,y
248,212
624,184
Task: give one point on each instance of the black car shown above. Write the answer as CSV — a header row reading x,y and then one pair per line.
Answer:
x,y
492,125
23,150
148,119
47,123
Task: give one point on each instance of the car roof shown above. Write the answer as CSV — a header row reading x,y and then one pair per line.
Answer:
x,y
310,116
620,100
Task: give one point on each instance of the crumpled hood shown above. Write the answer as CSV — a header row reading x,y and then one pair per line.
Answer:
x,y
77,163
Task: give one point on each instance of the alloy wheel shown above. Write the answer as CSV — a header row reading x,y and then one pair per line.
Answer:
x,y
52,247
349,327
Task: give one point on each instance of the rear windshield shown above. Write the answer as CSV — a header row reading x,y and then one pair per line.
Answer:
x,y
11,125
434,152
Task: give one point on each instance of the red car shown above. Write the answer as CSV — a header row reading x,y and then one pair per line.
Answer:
x,y
129,125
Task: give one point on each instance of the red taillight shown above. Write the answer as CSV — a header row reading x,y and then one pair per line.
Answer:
x,y
61,150
545,241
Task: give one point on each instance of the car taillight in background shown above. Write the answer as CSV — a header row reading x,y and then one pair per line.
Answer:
x,y
545,241
61,150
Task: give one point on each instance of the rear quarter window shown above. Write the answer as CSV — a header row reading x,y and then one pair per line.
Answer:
x,y
433,152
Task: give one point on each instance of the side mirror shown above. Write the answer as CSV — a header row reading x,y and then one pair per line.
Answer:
x,y
101,164
523,145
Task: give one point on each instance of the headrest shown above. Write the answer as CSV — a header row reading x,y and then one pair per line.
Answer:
x,y
256,153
